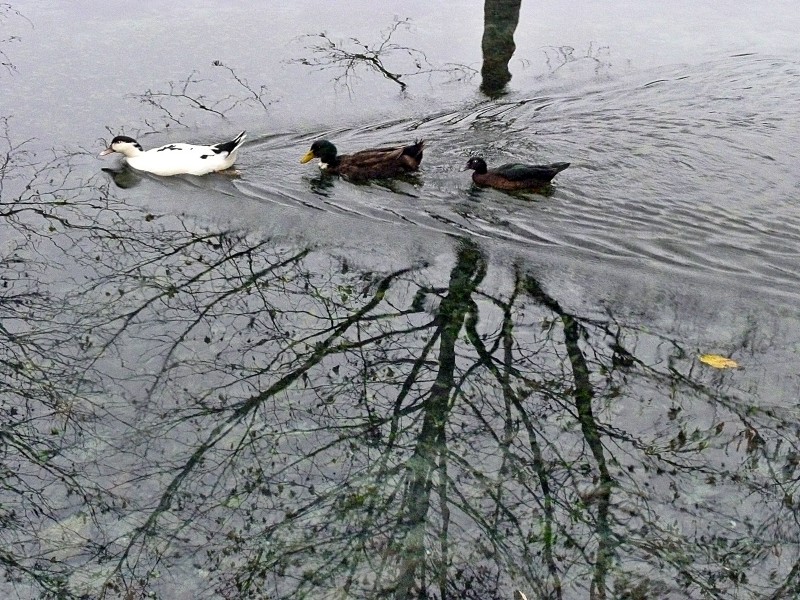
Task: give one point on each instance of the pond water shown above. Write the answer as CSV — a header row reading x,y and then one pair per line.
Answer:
x,y
277,384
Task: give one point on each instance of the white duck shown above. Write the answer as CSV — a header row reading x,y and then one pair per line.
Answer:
x,y
177,159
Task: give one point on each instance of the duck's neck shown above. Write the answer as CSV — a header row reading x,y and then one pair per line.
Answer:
x,y
328,162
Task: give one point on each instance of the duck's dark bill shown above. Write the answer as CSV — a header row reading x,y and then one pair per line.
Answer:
x,y
106,152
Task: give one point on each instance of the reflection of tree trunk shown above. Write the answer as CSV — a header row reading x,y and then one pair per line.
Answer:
x,y
500,21
505,377
583,394
429,455
583,401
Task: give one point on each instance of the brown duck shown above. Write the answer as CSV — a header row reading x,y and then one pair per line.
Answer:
x,y
513,176
366,164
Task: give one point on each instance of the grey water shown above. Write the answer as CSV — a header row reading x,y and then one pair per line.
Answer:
x,y
277,384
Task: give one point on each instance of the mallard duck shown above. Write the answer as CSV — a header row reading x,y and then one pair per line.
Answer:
x,y
513,176
177,159
366,164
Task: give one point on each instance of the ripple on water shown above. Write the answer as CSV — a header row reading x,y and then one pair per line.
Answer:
x,y
688,169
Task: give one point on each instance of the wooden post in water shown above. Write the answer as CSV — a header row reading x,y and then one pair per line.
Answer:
x,y
500,21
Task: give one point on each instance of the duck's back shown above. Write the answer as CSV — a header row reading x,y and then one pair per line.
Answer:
x,y
381,162
521,172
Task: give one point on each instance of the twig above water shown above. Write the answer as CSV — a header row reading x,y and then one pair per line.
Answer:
x,y
351,56
188,95
6,11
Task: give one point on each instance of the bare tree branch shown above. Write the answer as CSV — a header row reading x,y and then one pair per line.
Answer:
x,y
351,56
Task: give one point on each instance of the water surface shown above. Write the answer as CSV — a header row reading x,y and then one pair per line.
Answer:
x,y
279,384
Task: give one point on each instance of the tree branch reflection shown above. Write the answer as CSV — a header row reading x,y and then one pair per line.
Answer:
x,y
204,412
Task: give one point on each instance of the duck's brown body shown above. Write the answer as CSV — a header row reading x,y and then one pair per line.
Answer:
x,y
514,176
374,163
380,162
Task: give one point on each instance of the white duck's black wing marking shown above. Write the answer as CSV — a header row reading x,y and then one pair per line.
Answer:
x,y
169,147
228,147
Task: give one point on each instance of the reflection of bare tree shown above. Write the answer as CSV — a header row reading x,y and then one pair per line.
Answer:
x,y
406,440
44,392
199,412
352,56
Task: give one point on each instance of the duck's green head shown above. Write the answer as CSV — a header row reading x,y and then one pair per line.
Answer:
x,y
323,150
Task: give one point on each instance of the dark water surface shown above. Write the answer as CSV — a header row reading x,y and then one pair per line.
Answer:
x,y
282,385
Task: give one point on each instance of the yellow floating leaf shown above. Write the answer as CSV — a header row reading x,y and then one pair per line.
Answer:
x,y
718,362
